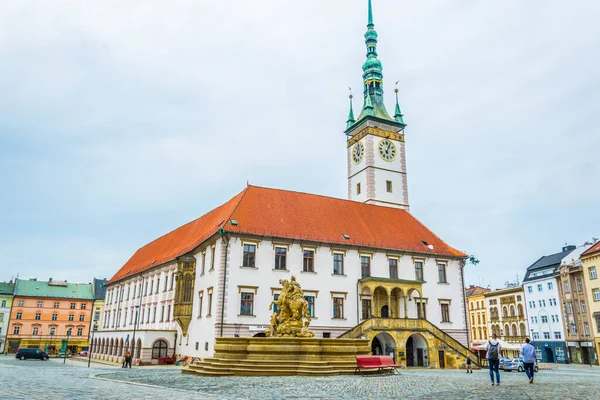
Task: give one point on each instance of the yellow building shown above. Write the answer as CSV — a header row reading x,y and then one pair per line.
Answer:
x,y
478,317
590,262
507,318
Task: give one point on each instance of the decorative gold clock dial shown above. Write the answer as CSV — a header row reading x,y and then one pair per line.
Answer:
x,y
387,150
357,152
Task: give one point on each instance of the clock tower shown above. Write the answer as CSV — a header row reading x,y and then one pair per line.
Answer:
x,y
376,153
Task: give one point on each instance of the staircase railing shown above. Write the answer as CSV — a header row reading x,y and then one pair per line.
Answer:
x,y
409,323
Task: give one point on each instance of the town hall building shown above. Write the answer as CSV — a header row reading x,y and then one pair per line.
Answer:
x,y
368,268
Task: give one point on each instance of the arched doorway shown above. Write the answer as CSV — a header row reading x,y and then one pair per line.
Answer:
x,y
260,334
416,351
383,344
385,312
159,349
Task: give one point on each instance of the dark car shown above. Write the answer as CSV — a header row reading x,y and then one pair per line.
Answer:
x,y
36,354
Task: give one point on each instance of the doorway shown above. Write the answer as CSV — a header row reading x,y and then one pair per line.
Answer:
x,y
383,344
416,351
549,355
442,358
384,312
586,355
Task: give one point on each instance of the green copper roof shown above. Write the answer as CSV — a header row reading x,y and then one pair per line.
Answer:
x,y
7,288
351,119
81,291
373,81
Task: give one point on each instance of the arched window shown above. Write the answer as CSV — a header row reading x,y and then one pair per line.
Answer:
x,y
512,311
514,330
520,309
159,349
523,330
504,312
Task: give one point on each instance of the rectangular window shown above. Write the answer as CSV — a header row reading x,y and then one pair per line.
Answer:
x,y
311,305
366,308
96,315
79,331
71,317
309,261
54,317
393,264
586,327
365,266
338,264
573,329
275,298
169,313
35,331
40,304
536,335
19,315
338,307
421,310
38,316
209,304
583,307
247,304
4,304
69,331
544,319
593,273
203,263
442,273
249,256
419,270
358,188
82,318
52,331
280,253
598,323
172,279
212,258
445,312
596,294
550,286
570,307
388,186
200,298
539,301
546,335
72,306
557,335
157,285
21,303
567,288
579,285
162,313
16,330
539,287
529,289
166,282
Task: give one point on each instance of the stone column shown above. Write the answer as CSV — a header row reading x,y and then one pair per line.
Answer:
x,y
389,305
405,307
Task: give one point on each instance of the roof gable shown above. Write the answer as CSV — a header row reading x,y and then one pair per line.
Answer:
x,y
594,249
293,215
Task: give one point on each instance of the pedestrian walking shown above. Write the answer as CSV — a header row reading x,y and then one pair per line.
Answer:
x,y
127,360
493,357
528,354
469,369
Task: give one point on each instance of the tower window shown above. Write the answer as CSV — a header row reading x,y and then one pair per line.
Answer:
x,y
388,186
358,188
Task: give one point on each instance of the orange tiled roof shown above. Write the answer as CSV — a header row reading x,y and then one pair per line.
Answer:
x,y
591,250
293,215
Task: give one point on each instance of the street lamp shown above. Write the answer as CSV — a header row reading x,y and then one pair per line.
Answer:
x,y
68,334
90,347
133,339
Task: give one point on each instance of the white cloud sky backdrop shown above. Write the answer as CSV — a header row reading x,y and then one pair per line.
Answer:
x,y
120,121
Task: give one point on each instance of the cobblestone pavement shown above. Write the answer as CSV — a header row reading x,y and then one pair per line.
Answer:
x,y
53,380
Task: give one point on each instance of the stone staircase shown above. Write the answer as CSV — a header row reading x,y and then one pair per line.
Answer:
x,y
370,328
229,367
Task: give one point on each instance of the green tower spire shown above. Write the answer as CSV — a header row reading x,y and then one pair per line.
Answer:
x,y
351,119
373,105
398,113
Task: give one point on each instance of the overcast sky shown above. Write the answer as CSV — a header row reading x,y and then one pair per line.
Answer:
x,y
120,121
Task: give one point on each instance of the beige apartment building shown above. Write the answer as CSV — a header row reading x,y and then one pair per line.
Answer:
x,y
590,263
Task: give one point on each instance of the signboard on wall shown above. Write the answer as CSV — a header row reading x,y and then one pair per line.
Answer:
x,y
257,328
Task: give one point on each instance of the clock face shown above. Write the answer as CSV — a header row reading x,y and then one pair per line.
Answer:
x,y
358,152
387,150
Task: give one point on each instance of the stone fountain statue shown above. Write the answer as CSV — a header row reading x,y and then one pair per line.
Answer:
x,y
292,309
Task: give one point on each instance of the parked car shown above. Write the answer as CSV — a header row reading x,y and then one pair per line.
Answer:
x,y
36,354
83,354
516,364
501,362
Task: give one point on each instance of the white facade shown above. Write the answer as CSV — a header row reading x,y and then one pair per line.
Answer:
x,y
544,311
377,165
262,282
147,297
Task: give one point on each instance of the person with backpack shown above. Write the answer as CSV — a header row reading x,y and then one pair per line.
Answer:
x,y
529,359
493,358
469,369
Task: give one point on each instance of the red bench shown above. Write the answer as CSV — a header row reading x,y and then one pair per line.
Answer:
x,y
166,360
384,364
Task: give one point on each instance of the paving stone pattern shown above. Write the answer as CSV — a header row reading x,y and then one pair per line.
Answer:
x,y
53,380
